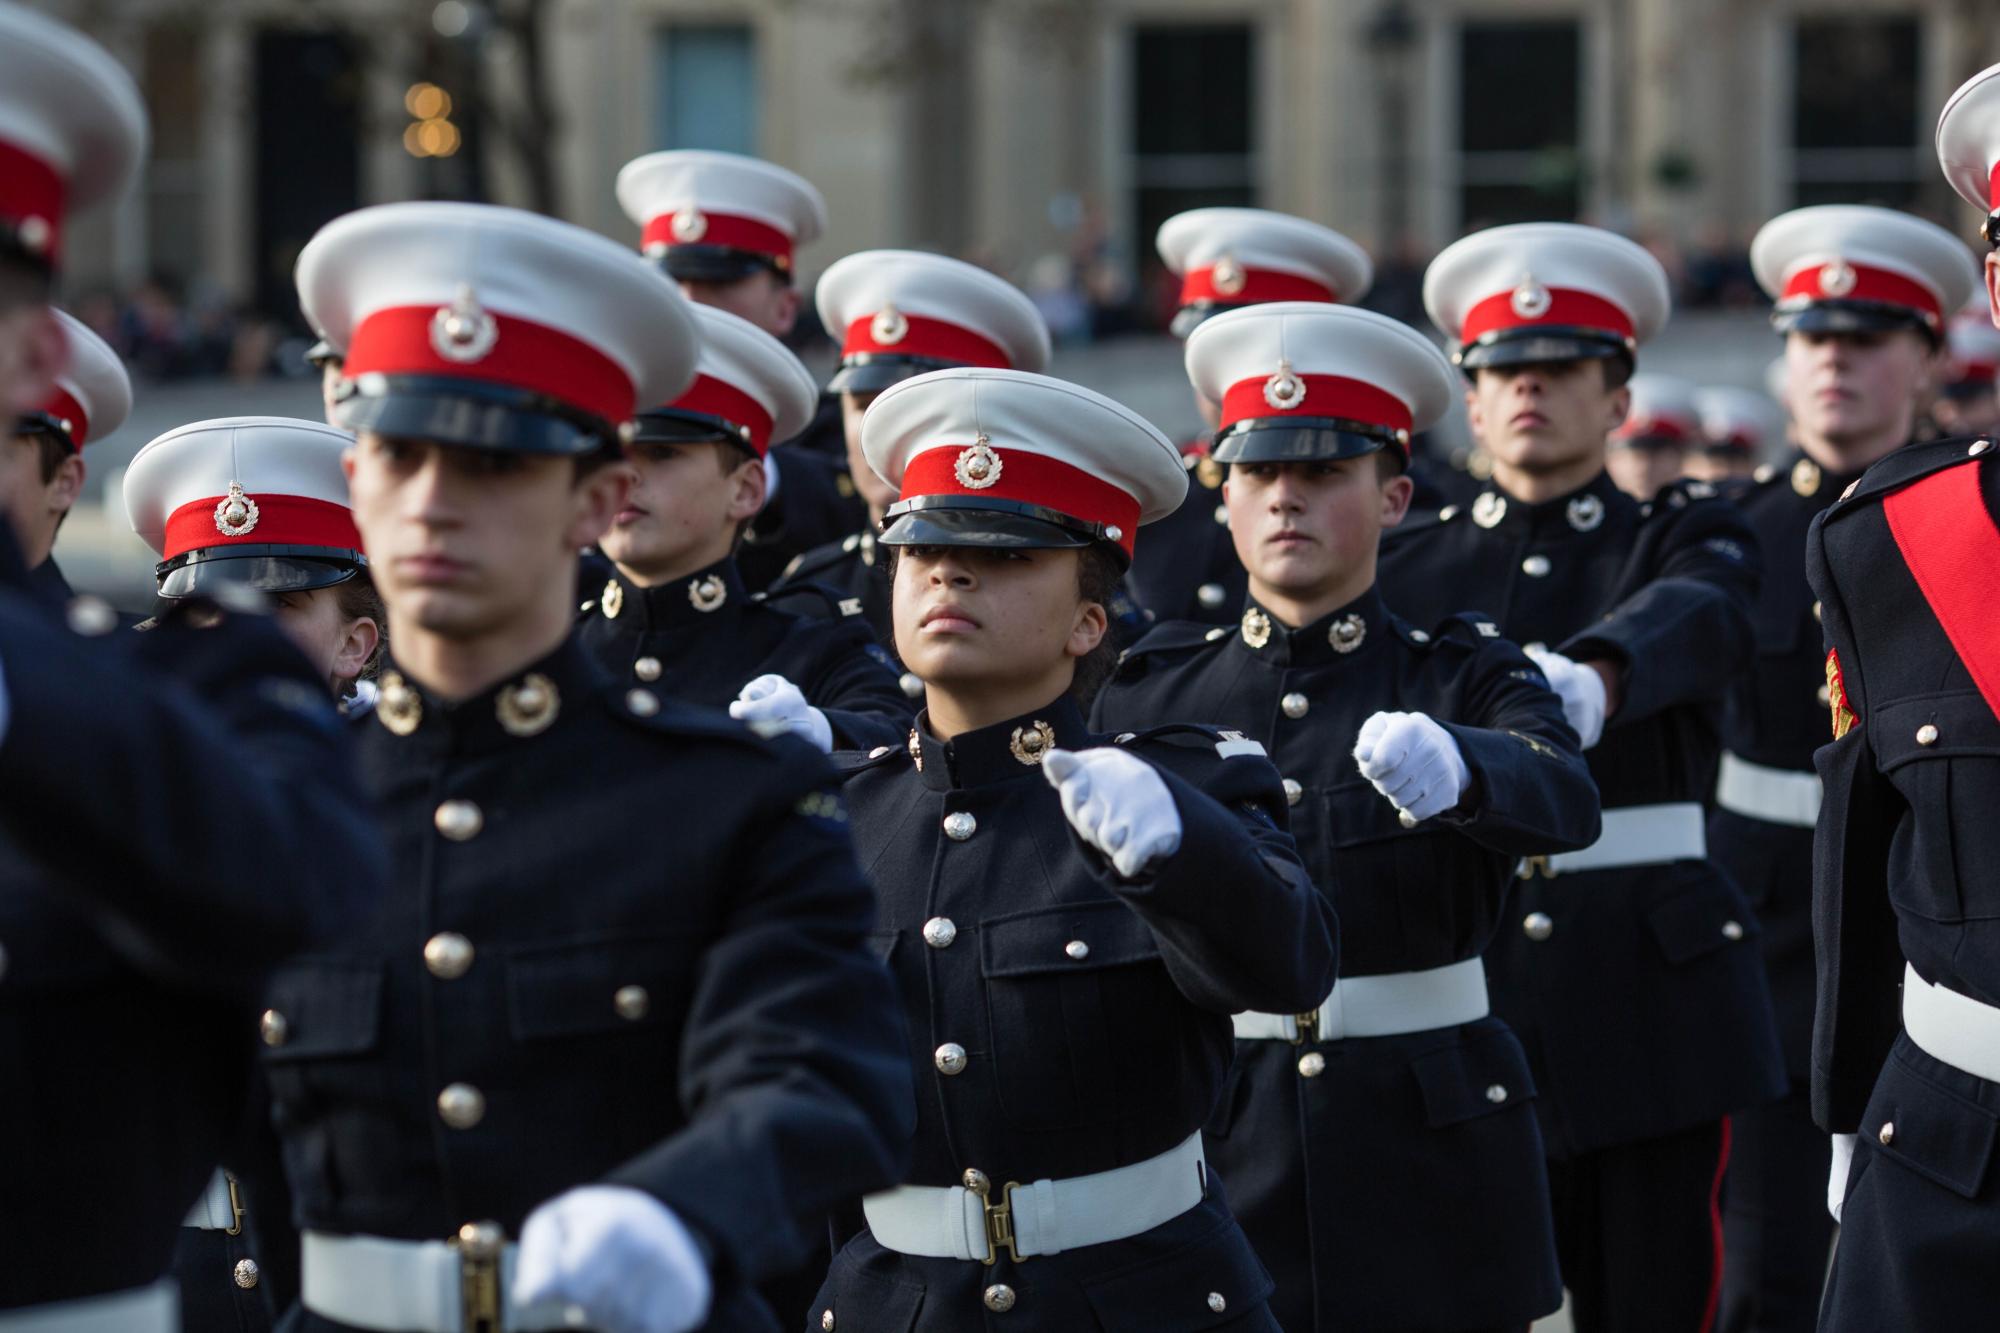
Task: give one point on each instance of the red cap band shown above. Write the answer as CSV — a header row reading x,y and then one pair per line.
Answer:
x,y
282,520
65,408
1838,281
1993,189
926,337
1658,428
734,233
1252,286
525,355
1566,307
718,398
31,188
1028,478
1325,396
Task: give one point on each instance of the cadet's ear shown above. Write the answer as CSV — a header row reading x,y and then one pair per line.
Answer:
x,y
1397,492
1617,408
747,487
598,494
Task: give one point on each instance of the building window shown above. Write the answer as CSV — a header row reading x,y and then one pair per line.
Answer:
x,y
705,87
1857,136
1519,116
1192,130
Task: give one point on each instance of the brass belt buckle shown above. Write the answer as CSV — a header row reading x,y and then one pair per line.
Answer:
x,y
479,1245
236,1208
1305,1028
999,1216
1533,865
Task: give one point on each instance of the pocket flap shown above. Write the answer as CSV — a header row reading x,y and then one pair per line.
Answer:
x,y
329,1007
857,1296
1104,934
1701,918
1936,1133
1176,1289
597,985
1481,1075
1957,723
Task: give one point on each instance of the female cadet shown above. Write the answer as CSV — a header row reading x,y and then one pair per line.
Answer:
x,y
1070,918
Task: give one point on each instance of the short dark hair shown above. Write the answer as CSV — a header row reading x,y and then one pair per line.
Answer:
x,y
53,449
23,282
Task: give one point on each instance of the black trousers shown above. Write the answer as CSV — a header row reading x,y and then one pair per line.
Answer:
x,y
1777,1235
1639,1232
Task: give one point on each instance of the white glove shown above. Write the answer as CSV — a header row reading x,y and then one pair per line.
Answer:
x,y
777,702
1414,762
1581,690
1836,1179
1117,804
620,1257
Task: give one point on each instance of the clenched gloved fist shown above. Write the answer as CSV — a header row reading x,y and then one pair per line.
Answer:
x,y
1581,691
1413,762
1117,803
773,699
619,1256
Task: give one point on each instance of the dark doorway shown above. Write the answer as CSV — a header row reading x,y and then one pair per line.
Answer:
x,y
308,160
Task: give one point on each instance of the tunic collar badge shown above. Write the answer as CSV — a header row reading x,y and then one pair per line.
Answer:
x,y
612,601
397,706
1346,633
529,706
1806,477
1585,513
1488,509
707,593
1256,627
1031,744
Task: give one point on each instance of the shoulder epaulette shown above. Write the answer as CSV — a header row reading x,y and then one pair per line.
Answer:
x,y
1912,462
804,597
1228,744
1176,635
849,762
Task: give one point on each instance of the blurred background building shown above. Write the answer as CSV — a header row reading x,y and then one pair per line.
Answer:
x,y
1045,139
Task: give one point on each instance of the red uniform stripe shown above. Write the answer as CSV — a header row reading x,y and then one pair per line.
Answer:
x,y
1259,285
718,398
1715,1233
65,408
1326,396
735,233
926,337
1870,284
526,355
282,520
1948,540
1993,189
1566,307
1028,478
32,188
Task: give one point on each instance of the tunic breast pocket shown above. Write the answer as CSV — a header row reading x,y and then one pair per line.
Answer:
x,y
1084,1022
600,987
331,1095
1942,752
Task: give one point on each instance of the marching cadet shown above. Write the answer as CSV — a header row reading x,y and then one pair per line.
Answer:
x,y
676,614
1738,428
1227,258
1070,918
1969,402
1904,838
284,529
288,535
179,813
900,313
651,1057
1662,427
1420,767
1860,295
42,472
727,228
1632,975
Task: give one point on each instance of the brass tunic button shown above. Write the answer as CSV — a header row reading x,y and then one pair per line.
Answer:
x,y
1536,566
273,1028
1077,949
940,931
826,1320
1496,1093
1819,613
913,686
642,703
459,820
1216,1302
1215,633
1927,734
1293,792
632,1003
647,669
1222,515
1978,447
1824,696
1887,1135
879,751
1312,1064
461,1105
1294,704
950,1058
91,616
245,1273
481,1242
999,1298
1732,930
448,955
1210,595
1538,926
960,825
